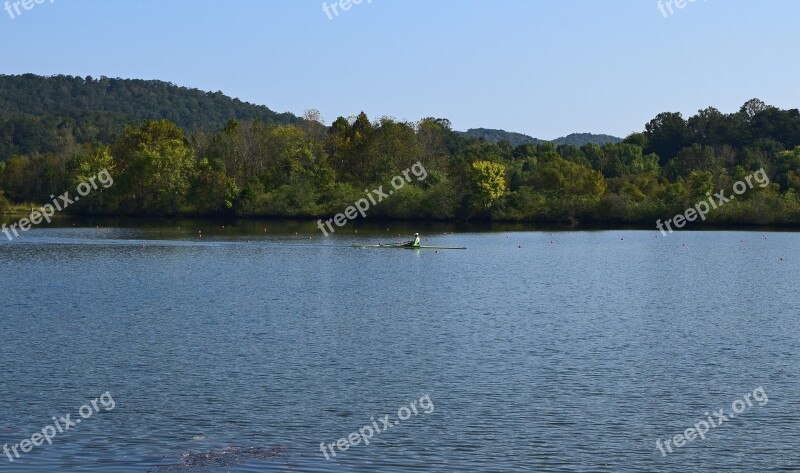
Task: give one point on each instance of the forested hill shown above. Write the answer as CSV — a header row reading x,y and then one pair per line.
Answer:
x,y
191,109
518,139
38,113
496,136
580,139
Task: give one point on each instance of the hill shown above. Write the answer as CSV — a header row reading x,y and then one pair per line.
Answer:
x,y
496,136
517,139
137,100
580,139
38,114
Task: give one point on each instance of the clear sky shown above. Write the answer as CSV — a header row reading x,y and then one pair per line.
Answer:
x,y
541,67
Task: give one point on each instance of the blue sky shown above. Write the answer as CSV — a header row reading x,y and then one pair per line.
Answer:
x,y
541,67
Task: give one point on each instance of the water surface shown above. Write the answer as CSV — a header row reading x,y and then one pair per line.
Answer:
x,y
540,350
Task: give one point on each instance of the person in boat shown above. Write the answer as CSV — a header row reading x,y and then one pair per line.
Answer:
x,y
414,242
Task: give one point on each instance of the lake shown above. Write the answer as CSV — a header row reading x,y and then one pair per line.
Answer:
x,y
245,348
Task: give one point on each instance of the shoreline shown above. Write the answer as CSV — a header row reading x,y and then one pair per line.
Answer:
x,y
376,223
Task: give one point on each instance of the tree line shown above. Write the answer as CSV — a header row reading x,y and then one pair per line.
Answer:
x,y
306,169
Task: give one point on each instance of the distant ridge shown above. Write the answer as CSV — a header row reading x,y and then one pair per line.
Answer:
x,y
517,139
495,136
580,139
126,101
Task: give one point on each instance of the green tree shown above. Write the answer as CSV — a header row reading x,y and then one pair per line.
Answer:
x,y
85,167
396,147
5,205
699,184
338,146
437,142
155,167
14,179
567,178
666,135
489,181
212,191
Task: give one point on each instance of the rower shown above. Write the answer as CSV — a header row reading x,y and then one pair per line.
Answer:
x,y
415,242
